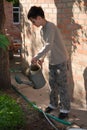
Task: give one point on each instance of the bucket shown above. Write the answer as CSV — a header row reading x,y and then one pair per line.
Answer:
x,y
36,76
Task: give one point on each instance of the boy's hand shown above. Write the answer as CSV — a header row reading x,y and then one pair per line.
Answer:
x,y
34,60
40,62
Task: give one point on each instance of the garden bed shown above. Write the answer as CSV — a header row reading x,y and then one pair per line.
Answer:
x,y
34,119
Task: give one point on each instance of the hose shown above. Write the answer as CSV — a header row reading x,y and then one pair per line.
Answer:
x,y
50,122
36,107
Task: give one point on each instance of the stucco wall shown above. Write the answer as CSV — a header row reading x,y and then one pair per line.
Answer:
x,y
71,17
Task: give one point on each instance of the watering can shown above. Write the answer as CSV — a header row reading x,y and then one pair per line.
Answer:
x,y
35,76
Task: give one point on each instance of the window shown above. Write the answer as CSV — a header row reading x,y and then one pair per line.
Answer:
x,y
16,13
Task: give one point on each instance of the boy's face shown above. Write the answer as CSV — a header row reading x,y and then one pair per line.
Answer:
x,y
36,21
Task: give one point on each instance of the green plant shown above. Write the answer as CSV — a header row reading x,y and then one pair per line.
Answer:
x,y
11,114
14,1
4,42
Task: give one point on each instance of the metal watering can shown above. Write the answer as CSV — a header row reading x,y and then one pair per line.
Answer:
x,y
35,76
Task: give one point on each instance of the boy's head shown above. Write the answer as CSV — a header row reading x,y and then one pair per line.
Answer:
x,y
35,15
34,12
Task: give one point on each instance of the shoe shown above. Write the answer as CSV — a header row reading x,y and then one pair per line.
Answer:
x,y
63,115
48,110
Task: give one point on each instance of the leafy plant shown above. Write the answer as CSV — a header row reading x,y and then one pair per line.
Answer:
x,y
4,41
14,1
11,114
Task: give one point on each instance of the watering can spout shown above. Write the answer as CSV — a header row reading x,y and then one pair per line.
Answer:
x,y
19,81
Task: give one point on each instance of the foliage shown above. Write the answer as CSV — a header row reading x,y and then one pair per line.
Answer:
x,y
4,42
11,114
14,1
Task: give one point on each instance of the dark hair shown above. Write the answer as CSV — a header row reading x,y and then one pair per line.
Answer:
x,y
35,11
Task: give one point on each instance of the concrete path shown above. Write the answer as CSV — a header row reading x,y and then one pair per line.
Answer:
x,y
41,98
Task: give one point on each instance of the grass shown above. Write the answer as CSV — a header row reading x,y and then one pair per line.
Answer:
x,y
11,114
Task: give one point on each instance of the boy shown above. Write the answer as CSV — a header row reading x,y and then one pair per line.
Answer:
x,y
58,57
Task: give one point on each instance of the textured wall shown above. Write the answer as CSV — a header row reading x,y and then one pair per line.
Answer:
x,y
71,17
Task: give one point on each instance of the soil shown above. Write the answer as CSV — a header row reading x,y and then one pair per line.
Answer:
x,y
33,118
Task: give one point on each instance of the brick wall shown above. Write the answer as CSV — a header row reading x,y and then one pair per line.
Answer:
x,y
71,17
14,31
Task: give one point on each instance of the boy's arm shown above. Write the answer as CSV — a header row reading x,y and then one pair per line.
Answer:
x,y
48,44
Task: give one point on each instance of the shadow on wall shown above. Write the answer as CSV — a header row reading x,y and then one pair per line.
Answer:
x,y
25,52
69,28
28,32
28,37
85,83
24,24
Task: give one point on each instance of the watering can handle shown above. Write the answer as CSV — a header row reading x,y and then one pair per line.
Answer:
x,y
38,63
